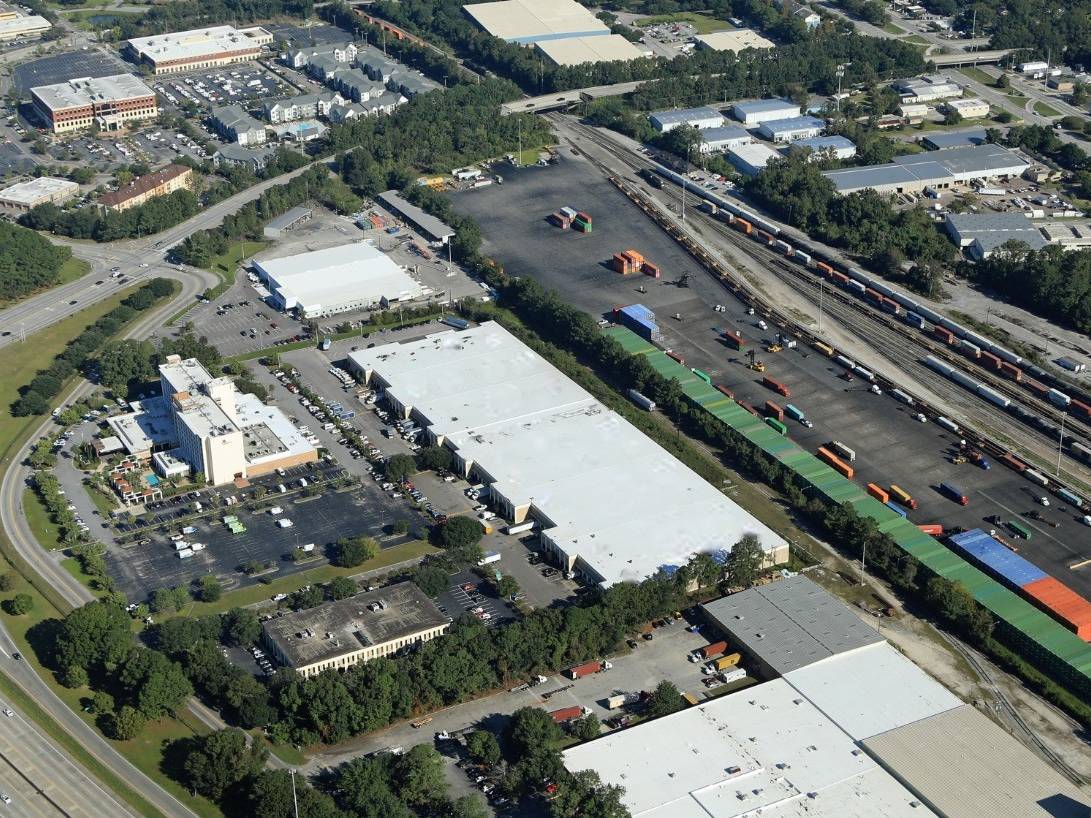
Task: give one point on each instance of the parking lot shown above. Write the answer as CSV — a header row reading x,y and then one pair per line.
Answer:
x,y
468,594
243,83
308,36
893,446
63,67
320,519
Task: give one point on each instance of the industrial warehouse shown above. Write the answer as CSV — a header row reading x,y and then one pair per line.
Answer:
x,y
532,21
199,48
852,729
606,497
937,170
336,280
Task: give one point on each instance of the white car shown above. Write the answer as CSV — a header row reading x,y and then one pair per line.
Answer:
x,y
8,712
1086,519
876,389
5,797
1044,501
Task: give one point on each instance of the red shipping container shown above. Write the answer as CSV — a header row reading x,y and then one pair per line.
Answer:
x,y
944,335
1011,371
621,264
776,386
1080,409
931,528
650,269
726,391
878,492
774,410
584,215
1062,603
1039,389
733,339
715,649
990,359
567,714
1012,462
840,278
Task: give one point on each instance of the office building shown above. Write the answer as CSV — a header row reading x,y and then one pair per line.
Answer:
x,y
606,497
339,279
160,183
752,114
935,170
206,423
108,103
927,89
200,48
369,625
14,24
533,21
971,108
699,118
23,196
791,129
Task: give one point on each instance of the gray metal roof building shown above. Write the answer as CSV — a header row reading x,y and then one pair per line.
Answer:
x,y
954,139
286,221
697,117
718,139
791,128
763,110
842,147
935,169
962,765
789,625
428,225
983,233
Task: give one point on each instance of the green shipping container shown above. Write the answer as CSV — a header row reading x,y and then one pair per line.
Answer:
x,y
702,375
777,425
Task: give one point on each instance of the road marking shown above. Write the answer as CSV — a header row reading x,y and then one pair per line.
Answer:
x,y
1025,521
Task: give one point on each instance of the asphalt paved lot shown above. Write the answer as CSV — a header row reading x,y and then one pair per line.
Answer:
x,y
309,36
63,67
321,520
892,447
468,592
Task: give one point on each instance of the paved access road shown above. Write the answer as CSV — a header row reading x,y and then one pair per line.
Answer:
x,y
55,304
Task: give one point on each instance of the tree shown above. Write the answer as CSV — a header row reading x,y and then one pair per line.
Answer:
x,y
98,633
530,729
208,588
241,627
664,700
584,795
341,588
745,561
350,552
460,533
431,579
126,724
153,683
123,362
19,604
270,795
436,458
102,703
400,467
1002,82
6,582
586,728
483,747
221,760
74,676
468,806
1073,123
419,778
399,527
507,587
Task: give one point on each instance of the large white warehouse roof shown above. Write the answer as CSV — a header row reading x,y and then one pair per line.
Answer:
x,y
764,750
337,279
604,492
531,21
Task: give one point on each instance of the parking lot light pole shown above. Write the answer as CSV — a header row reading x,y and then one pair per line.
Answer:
x,y
295,801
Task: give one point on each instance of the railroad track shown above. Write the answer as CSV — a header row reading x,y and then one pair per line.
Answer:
x,y
893,333
1004,704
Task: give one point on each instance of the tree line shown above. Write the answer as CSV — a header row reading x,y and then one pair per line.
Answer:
x,y
99,224
28,261
187,14
35,398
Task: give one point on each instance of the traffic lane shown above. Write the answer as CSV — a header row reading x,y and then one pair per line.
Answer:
x,y
42,780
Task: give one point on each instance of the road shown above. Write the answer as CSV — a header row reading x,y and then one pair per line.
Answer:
x,y
53,305
47,565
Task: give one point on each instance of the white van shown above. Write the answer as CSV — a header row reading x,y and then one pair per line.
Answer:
x,y
275,510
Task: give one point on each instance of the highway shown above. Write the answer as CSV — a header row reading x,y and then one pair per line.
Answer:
x,y
50,306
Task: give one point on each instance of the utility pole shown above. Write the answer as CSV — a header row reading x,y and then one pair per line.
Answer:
x,y
295,801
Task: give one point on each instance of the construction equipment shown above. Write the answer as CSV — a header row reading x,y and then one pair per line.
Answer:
x,y
758,366
682,280
958,460
774,348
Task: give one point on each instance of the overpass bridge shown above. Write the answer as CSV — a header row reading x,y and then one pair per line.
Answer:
x,y
562,99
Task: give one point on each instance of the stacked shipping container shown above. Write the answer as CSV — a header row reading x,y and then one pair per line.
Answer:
x,y
1026,579
640,320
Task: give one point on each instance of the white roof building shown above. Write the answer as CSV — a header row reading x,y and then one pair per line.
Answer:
x,y
198,48
611,503
737,40
763,110
25,195
971,108
822,146
720,139
582,50
792,128
764,750
927,89
15,26
337,279
531,21
699,118
751,159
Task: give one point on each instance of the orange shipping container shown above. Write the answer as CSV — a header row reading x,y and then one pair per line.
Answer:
x,y
621,264
878,493
931,528
1062,603
836,463
650,269
634,257
743,225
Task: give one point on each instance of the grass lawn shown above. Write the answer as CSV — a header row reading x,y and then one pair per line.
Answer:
x,y
20,361
916,39
529,156
71,270
1045,110
289,584
82,18
224,265
890,28
45,530
702,22
103,502
979,75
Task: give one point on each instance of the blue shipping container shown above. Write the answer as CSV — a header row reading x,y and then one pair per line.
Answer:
x,y
994,558
897,509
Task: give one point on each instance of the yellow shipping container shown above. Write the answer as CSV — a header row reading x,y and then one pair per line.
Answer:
x,y
724,662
